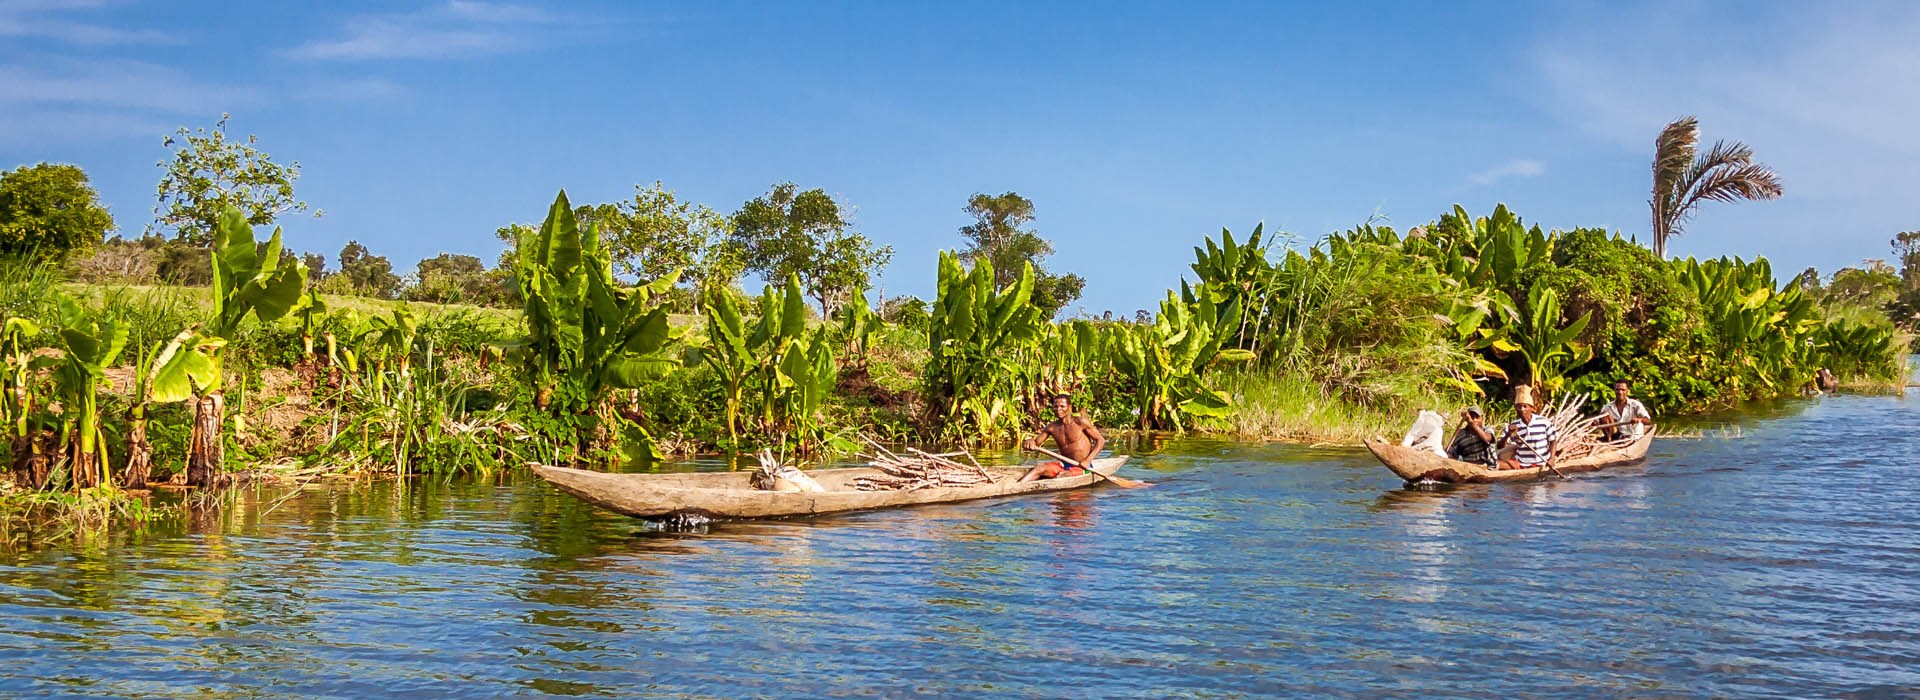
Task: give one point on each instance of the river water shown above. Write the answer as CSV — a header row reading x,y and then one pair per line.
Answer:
x,y
1779,557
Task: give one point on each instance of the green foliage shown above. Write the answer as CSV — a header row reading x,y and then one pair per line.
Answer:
x,y
89,344
458,279
50,211
363,274
856,328
210,173
1166,364
586,336
997,237
790,233
655,234
1859,350
972,339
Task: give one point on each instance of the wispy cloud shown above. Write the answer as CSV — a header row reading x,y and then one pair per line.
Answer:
x,y
1517,168
360,89
54,20
82,100
1826,94
457,29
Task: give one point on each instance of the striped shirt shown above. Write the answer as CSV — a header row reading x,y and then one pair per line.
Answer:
x,y
1533,440
1616,413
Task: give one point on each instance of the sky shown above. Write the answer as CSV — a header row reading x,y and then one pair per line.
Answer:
x,y
1137,129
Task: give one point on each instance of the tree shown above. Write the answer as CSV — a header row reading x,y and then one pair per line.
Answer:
x,y
209,172
996,236
456,279
1683,177
50,211
789,232
367,274
655,234
1906,249
1872,285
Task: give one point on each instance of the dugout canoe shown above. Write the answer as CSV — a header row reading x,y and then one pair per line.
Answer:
x,y
1420,465
728,496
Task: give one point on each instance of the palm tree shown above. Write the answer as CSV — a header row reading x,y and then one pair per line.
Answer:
x,y
1683,177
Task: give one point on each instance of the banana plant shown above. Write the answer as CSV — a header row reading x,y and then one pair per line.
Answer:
x,y
312,311
806,378
89,345
1550,351
586,335
857,326
174,368
973,338
390,338
780,331
1166,363
1236,277
248,281
1059,362
728,351
18,400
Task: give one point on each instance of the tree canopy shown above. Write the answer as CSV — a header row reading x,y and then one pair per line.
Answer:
x,y
208,172
655,233
791,232
996,236
51,211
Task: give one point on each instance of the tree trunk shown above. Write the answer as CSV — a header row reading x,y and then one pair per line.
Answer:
x,y
29,461
83,467
139,451
205,450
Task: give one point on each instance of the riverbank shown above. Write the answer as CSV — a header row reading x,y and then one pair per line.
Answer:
x,y
1299,571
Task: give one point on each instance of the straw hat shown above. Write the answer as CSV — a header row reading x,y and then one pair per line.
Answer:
x,y
1523,396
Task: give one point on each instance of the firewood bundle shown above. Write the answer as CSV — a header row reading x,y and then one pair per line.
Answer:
x,y
919,470
1578,434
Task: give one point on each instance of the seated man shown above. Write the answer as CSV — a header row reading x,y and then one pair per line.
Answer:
x,y
1077,438
1532,435
1626,417
1473,442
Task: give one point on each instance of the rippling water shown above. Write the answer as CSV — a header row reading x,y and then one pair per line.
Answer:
x,y
1784,562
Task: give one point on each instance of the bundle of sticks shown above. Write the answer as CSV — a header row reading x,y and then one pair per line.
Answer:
x,y
1579,435
919,470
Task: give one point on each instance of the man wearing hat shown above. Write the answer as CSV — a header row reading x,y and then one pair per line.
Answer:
x,y
1532,435
1473,442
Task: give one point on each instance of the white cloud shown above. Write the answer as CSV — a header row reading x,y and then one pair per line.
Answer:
x,y
352,90
49,20
1826,95
1520,168
457,29
77,100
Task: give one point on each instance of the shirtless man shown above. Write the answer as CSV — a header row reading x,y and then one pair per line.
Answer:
x,y
1076,436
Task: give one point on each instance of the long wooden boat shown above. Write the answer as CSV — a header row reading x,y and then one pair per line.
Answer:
x,y
728,495
1420,465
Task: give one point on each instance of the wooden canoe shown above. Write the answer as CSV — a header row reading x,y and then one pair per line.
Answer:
x,y
1420,465
728,496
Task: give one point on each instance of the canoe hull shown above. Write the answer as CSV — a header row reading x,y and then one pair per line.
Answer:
x,y
1419,465
728,495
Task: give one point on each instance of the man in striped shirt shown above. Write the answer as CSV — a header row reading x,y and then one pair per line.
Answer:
x,y
1532,435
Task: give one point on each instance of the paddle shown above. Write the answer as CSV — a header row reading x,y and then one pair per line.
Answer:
x,y
1121,482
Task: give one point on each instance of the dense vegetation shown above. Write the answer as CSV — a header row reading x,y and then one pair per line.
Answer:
x,y
626,336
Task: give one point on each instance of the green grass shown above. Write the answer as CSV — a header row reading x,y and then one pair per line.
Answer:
x,y
1294,408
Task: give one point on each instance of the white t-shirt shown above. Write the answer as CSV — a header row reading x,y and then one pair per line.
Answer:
x,y
1616,413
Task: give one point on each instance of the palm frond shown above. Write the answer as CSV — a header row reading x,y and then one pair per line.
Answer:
x,y
1729,184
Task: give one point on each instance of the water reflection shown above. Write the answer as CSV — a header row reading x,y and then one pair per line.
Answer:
x,y
1769,565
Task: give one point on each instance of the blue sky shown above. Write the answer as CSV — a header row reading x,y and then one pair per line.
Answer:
x,y
1137,129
